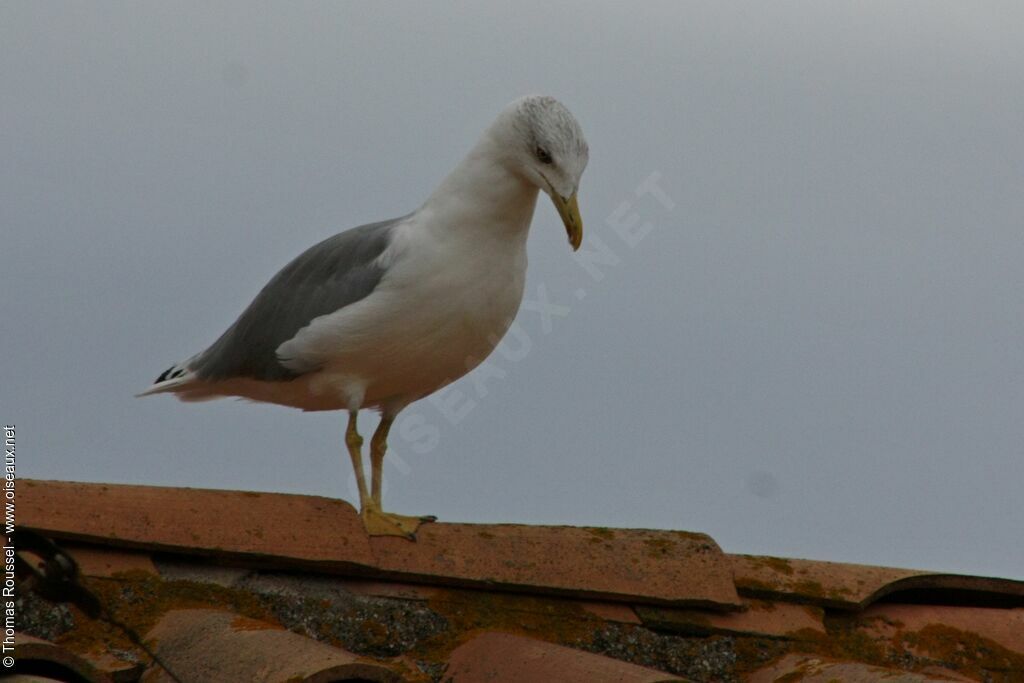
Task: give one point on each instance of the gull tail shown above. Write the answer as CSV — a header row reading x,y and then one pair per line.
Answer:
x,y
173,379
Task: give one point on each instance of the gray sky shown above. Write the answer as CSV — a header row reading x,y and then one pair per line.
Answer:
x,y
816,349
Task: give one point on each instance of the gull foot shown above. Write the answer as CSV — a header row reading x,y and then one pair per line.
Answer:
x,y
380,523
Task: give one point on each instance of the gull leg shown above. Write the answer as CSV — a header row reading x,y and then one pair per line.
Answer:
x,y
378,447
378,522
354,442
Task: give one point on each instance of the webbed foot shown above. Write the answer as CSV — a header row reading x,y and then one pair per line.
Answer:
x,y
380,523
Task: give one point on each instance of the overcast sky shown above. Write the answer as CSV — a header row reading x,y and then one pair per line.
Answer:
x,y
809,342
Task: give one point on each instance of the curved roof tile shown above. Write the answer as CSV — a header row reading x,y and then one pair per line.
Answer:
x,y
212,646
505,658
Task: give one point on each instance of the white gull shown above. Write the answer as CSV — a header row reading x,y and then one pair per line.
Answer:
x,y
384,314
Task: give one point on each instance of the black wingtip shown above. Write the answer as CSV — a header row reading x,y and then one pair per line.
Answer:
x,y
173,372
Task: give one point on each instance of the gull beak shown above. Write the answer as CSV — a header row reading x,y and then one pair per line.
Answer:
x,y
569,210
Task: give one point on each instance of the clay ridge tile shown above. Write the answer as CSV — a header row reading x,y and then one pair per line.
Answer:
x,y
311,533
199,521
634,565
855,586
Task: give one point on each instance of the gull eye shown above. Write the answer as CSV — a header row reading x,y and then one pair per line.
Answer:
x,y
543,156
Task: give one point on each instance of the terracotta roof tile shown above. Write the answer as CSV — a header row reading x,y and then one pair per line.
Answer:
x,y
256,525
505,658
99,561
815,670
611,611
36,656
210,646
287,531
119,670
852,586
773,620
1002,626
627,599
626,564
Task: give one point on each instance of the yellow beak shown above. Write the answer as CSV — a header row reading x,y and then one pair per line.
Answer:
x,y
569,210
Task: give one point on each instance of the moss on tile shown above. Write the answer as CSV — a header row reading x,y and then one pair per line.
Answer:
x,y
814,589
138,599
659,547
601,532
967,653
854,638
803,591
753,653
846,639
426,632
776,564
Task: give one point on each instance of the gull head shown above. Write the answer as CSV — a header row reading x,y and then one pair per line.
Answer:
x,y
546,147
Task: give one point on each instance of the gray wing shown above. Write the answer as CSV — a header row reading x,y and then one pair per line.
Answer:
x,y
337,272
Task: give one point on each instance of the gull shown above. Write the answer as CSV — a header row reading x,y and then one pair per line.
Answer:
x,y
382,315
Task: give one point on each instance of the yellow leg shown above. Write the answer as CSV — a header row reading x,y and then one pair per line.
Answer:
x,y
378,447
354,442
376,521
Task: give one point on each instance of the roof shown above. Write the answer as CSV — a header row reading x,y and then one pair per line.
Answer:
x,y
229,585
